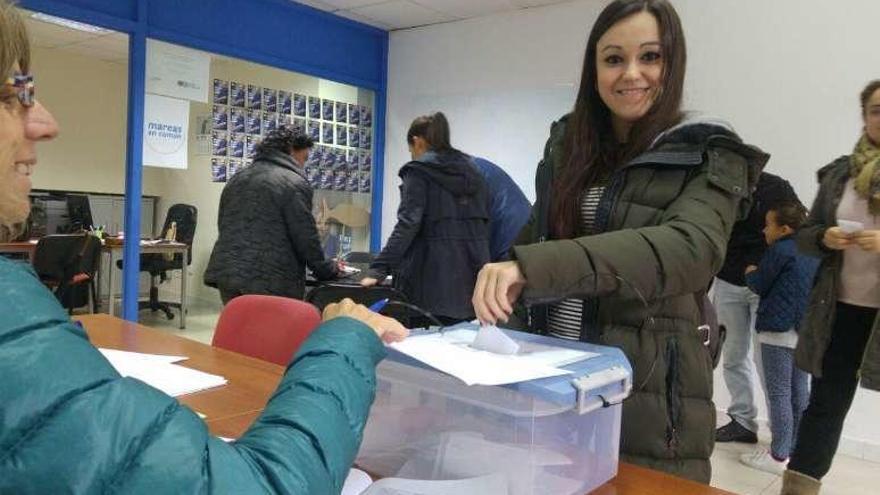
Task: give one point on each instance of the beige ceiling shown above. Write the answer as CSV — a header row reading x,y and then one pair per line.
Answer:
x,y
402,14
110,46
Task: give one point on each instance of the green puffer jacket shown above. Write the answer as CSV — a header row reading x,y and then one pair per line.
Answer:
x,y
70,424
815,330
663,224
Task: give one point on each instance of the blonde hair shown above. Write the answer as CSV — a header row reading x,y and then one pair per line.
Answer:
x,y
14,43
14,48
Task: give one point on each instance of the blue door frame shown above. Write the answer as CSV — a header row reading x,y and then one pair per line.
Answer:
x,y
277,33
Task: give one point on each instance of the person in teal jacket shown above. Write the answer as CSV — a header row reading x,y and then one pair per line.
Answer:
x,y
69,423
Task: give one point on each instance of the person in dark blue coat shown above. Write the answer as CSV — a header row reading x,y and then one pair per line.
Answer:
x,y
509,208
783,280
441,239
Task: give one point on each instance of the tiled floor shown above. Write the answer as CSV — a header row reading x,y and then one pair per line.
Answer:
x,y
849,476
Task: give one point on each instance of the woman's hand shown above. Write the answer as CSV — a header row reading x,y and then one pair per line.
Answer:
x,y
369,281
837,239
499,285
868,240
387,329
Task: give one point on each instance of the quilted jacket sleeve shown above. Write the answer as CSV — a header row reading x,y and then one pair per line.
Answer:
x,y
677,256
761,280
300,222
70,424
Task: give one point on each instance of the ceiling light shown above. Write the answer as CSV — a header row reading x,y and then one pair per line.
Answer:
x,y
60,21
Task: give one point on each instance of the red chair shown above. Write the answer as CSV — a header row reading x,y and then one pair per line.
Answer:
x,y
265,327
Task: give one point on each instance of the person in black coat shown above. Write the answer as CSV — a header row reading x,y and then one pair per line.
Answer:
x,y
267,233
737,305
441,239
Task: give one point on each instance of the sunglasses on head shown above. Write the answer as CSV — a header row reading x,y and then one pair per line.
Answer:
x,y
24,88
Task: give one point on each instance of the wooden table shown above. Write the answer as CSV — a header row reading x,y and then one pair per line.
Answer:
x,y
24,247
228,410
232,408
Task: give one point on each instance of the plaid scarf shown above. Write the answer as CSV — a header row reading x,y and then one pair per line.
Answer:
x,y
864,168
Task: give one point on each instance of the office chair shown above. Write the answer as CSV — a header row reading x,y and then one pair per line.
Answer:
x,y
79,213
186,217
398,306
270,328
67,264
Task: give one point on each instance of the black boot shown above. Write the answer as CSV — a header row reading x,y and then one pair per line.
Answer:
x,y
735,432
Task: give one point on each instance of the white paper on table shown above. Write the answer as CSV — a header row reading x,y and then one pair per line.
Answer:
x,y
356,482
159,372
451,353
115,355
492,484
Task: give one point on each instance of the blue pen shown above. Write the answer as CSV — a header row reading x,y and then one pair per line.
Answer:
x,y
378,305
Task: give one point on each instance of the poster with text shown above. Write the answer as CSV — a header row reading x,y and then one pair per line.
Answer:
x,y
221,92
299,105
366,160
366,138
284,120
327,133
254,120
315,130
341,112
234,167
285,102
166,127
236,145
218,170
270,100
219,144
237,120
354,114
366,116
270,122
254,97
341,135
237,94
327,109
177,71
250,147
354,137
220,118
314,107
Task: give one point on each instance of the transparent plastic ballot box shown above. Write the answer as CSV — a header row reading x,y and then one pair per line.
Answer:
x,y
557,435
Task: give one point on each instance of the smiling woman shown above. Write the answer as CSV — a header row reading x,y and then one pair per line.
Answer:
x,y
635,203
23,122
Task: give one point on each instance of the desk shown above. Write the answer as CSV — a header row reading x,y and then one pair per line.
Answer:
x,y
25,247
231,409
147,247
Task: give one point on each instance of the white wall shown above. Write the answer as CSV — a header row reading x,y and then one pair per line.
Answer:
x,y
786,73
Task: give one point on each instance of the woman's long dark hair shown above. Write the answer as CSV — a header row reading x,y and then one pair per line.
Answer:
x,y
434,129
591,150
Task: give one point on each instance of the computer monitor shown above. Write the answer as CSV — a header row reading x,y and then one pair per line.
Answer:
x,y
79,212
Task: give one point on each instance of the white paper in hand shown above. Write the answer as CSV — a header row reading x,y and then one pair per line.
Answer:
x,y
491,339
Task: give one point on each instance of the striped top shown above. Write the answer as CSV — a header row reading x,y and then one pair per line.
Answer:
x,y
564,318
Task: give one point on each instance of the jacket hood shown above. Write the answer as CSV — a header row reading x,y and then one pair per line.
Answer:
x,y
453,170
702,131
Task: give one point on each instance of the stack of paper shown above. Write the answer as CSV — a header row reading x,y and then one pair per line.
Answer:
x,y
159,371
453,353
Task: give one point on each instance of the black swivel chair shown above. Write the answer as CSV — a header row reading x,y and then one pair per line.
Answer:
x,y
67,264
158,265
398,306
